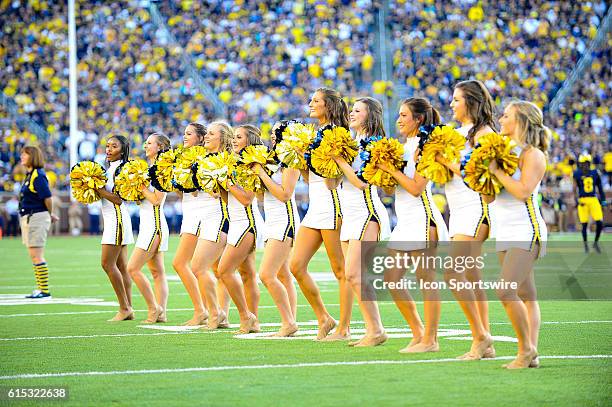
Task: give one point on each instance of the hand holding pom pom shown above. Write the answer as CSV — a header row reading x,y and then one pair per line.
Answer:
x,y
162,171
443,145
334,142
132,178
493,153
86,178
182,172
380,157
296,138
215,171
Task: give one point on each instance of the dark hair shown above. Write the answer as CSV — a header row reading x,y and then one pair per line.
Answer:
x,y
253,134
162,140
36,156
422,111
374,121
125,146
480,106
337,109
200,130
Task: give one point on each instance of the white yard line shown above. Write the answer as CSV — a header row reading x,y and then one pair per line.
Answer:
x,y
279,366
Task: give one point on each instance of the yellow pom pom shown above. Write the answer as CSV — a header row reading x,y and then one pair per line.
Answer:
x,y
85,178
447,142
388,151
490,147
132,177
215,170
161,172
335,142
245,176
182,172
296,138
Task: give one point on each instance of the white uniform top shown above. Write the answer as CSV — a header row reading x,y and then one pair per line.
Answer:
x,y
116,218
457,193
520,222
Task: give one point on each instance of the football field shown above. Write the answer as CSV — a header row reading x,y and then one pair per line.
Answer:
x,y
66,342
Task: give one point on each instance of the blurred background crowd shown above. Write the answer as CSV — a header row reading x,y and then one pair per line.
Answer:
x,y
263,59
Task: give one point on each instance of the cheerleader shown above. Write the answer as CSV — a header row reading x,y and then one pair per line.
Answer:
x,y
241,237
369,219
470,222
152,240
282,223
419,222
117,230
322,225
213,233
522,235
193,205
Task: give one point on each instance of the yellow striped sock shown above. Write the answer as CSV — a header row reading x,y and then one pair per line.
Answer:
x,y
42,277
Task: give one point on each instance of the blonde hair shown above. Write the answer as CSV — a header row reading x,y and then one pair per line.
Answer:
x,y
530,122
253,134
227,133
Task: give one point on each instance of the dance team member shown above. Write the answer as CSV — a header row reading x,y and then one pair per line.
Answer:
x,y
322,224
522,235
282,223
193,205
152,240
469,222
117,232
369,220
36,215
241,237
419,226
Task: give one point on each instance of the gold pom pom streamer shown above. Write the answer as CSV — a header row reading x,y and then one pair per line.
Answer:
x,y
332,142
215,171
245,176
475,170
132,177
86,178
447,142
182,173
161,172
379,150
297,136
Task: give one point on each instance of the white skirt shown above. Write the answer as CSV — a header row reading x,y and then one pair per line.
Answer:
x,y
214,223
323,205
192,223
239,228
412,231
520,225
468,219
117,225
282,225
361,207
152,225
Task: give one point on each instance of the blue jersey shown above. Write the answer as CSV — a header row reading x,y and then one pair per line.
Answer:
x,y
34,191
587,182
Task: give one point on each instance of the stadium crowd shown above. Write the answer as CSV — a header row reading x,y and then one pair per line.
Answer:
x,y
263,59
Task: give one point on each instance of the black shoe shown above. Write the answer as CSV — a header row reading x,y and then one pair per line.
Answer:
x,y
596,247
38,294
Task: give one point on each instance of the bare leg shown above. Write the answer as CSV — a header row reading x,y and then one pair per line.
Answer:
x,y
110,254
206,254
138,259
285,277
331,240
160,284
181,263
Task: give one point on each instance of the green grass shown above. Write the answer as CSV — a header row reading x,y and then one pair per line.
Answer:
x,y
75,272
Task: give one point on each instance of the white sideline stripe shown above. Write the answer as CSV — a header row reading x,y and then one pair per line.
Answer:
x,y
284,366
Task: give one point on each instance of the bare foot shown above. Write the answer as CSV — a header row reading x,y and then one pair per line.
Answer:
x,y
325,328
337,336
162,317
247,325
214,322
479,349
198,319
287,331
421,348
126,315
368,341
153,315
489,353
522,361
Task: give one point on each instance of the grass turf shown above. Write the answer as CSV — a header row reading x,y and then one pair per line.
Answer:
x,y
38,344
